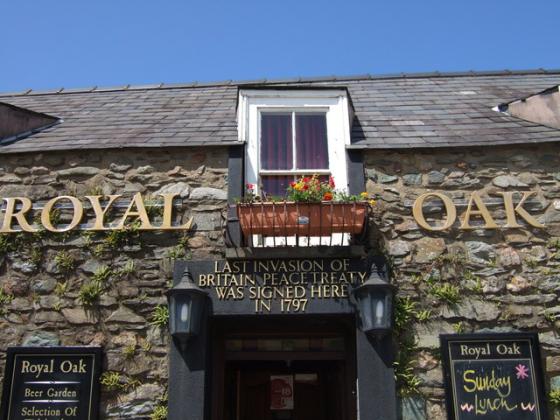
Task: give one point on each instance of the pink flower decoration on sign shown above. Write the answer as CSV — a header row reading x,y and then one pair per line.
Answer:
x,y
522,371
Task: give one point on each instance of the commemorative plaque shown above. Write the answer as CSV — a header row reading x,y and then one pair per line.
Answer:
x,y
281,286
495,376
51,383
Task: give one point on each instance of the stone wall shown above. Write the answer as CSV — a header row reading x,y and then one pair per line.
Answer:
x,y
453,281
103,289
476,280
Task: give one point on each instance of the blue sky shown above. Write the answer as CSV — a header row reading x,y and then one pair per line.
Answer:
x,y
72,43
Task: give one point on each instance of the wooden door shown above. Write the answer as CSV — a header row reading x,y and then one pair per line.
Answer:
x,y
253,395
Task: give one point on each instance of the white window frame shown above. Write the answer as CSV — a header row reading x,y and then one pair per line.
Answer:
x,y
334,102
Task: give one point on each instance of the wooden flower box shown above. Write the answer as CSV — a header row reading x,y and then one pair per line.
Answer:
x,y
301,219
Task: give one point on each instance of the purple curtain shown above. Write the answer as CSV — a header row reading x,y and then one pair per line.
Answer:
x,y
276,185
276,141
277,150
311,141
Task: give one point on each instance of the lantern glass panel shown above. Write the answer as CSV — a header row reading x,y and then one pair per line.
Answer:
x,y
180,313
197,304
389,311
379,320
366,310
172,317
184,308
377,308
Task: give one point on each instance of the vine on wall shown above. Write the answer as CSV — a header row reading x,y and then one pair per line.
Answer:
x,y
62,255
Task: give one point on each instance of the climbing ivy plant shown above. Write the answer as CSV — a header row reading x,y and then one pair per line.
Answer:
x,y
431,284
68,249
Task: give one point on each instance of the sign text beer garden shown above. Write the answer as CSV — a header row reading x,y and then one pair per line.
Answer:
x,y
49,383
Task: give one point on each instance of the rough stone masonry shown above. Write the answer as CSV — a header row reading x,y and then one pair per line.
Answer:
x,y
455,280
480,280
45,278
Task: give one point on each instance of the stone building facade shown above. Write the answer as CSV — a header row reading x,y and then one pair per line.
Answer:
x,y
502,280
44,276
409,136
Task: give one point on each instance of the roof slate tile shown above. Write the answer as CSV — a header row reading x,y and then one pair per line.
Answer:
x,y
391,111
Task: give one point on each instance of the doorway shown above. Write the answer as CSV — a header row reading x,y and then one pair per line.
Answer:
x,y
277,390
295,368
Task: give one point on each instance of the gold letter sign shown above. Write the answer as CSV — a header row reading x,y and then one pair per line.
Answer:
x,y
21,209
476,207
418,211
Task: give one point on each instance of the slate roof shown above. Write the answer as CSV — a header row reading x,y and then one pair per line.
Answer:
x,y
391,112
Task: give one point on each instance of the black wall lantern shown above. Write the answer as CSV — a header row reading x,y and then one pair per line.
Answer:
x,y
187,302
375,304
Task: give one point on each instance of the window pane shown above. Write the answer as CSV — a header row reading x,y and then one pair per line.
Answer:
x,y
276,141
311,141
276,185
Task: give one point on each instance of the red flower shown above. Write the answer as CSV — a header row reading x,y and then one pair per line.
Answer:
x,y
306,187
250,186
292,184
331,182
327,196
306,179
